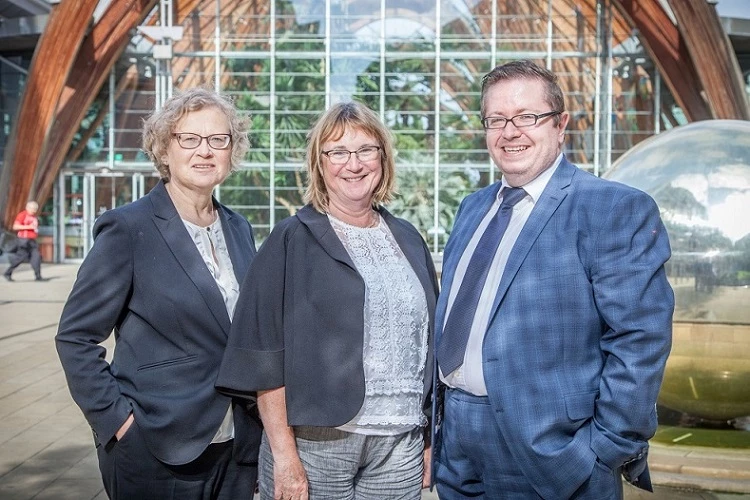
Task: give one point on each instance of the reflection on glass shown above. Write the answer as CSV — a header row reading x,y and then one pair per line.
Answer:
x,y
699,175
73,217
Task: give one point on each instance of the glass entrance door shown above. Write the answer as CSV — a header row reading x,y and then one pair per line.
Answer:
x,y
87,195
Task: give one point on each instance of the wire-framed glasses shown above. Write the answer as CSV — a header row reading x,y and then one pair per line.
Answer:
x,y
519,121
341,156
186,140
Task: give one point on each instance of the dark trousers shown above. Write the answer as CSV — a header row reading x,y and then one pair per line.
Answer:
x,y
27,250
130,471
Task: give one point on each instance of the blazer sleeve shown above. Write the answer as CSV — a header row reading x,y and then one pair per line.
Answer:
x,y
254,356
636,302
98,298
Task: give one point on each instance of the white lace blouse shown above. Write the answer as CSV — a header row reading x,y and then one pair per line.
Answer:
x,y
212,246
395,331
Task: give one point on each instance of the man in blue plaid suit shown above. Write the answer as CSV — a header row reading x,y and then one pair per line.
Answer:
x,y
555,391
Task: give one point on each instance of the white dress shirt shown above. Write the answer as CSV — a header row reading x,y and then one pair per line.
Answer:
x,y
469,376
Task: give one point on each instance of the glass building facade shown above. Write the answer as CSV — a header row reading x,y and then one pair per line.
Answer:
x,y
418,63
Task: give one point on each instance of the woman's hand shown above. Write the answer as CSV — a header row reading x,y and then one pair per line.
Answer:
x,y
289,479
427,475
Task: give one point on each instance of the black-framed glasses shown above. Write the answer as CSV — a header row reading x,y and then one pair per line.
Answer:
x,y
341,156
186,140
519,121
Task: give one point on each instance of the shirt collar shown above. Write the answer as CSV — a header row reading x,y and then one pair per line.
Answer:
x,y
537,185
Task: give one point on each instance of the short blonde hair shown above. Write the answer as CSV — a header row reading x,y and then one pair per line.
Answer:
x,y
159,126
331,126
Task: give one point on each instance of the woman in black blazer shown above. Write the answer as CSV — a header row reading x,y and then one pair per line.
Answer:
x,y
163,273
335,321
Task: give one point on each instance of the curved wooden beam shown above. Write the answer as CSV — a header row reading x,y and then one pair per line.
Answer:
x,y
669,52
52,61
99,51
715,62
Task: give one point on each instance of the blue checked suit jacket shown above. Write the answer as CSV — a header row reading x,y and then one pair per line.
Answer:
x,y
575,349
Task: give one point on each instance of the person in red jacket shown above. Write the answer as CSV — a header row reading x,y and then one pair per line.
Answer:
x,y
27,248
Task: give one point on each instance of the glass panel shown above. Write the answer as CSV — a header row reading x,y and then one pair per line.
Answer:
x,y
462,24
111,192
300,25
414,200
247,192
347,74
73,217
300,98
520,27
149,182
246,27
410,26
355,26
131,108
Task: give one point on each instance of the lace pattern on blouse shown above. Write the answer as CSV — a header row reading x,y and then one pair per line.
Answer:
x,y
395,331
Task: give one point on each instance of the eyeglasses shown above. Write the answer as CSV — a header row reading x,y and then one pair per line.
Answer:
x,y
519,121
192,141
341,156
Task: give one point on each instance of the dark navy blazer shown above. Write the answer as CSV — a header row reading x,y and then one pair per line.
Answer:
x,y
145,279
300,323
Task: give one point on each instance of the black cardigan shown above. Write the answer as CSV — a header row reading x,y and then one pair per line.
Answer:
x,y
299,320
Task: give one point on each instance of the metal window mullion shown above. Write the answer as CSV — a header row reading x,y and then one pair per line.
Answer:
x,y
60,217
597,88
493,63
327,61
607,23
272,121
112,109
549,34
217,76
436,152
381,97
657,101
217,47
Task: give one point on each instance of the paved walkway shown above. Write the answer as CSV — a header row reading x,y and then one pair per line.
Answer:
x,y
46,449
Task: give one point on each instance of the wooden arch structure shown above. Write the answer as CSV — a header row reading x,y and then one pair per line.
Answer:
x,y
74,57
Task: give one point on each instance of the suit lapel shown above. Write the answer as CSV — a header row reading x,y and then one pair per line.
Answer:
x,y
545,207
178,240
231,227
321,229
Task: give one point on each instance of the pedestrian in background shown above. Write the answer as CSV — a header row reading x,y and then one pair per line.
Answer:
x,y
26,247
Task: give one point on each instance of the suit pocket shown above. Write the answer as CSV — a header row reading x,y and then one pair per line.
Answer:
x,y
167,363
580,405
